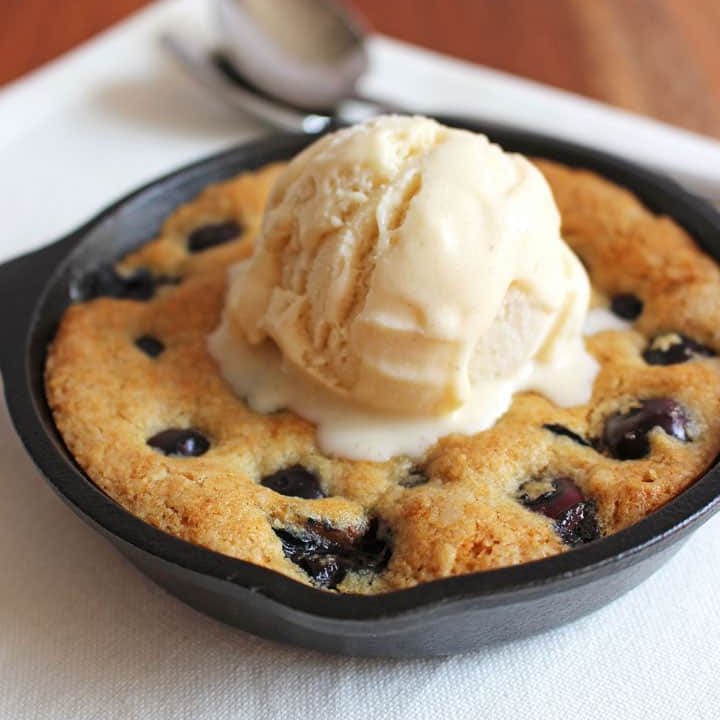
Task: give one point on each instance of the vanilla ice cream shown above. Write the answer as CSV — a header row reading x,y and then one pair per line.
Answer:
x,y
408,280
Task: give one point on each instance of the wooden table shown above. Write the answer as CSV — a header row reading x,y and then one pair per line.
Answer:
x,y
657,57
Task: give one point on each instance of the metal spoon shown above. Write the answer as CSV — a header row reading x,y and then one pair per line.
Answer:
x,y
293,65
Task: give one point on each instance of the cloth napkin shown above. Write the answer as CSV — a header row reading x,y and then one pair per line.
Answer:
x,y
84,635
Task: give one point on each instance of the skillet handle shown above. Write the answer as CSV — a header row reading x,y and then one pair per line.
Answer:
x,y
21,282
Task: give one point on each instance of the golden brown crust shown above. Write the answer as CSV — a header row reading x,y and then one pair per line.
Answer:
x,y
108,398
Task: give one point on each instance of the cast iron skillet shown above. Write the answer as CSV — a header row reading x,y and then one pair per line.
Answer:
x,y
446,616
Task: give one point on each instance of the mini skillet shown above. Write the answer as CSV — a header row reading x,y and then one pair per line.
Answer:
x,y
441,617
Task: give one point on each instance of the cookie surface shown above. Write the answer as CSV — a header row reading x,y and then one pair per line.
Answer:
x,y
141,405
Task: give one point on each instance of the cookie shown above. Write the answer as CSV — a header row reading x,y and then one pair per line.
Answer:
x,y
144,410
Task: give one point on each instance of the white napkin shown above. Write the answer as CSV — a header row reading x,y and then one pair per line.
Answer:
x,y
84,635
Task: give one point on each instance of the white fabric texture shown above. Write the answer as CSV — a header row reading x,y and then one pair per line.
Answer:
x,y
85,635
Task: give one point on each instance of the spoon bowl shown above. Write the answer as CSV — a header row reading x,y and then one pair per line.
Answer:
x,y
308,53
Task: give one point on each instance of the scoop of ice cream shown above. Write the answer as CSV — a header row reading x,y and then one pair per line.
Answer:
x,y
405,266
409,279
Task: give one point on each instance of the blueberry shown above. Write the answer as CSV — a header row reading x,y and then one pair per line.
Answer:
x,y
561,500
150,345
579,524
105,281
415,476
626,305
625,435
561,430
327,571
551,497
179,442
327,554
208,236
294,481
673,348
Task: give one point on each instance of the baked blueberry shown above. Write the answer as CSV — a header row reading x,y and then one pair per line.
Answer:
x,y
211,235
674,348
180,442
415,476
625,434
579,524
550,496
328,554
105,281
626,305
561,500
561,430
294,481
327,571
150,345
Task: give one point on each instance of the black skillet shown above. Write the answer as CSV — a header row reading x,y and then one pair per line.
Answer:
x,y
446,616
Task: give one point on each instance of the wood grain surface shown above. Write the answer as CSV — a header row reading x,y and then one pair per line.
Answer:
x,y
656,57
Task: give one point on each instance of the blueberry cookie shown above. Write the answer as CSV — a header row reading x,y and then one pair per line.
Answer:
x,y
143,408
